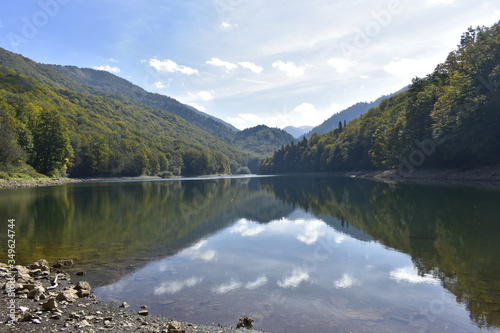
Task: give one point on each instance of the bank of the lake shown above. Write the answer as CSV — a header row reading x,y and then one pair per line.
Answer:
x,y
479,174
33,300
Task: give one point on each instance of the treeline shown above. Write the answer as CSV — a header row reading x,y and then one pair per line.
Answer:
x,y
55,131
448,119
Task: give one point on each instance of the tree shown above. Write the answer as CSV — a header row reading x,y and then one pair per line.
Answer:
x,y
52,148
10,151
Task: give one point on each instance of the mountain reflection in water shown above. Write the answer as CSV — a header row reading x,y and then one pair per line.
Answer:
x,y
294,252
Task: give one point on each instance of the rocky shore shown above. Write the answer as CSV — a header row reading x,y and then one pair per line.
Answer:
x,y
18,183
41,298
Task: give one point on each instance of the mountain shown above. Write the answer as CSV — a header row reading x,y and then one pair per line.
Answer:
x,y
53,129
261,139
352,112
113,84
447,120
297,132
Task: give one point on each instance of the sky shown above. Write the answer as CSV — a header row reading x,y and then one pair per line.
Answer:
x,y
249,62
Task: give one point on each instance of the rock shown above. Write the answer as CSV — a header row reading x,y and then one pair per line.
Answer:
x,y
50,305
144,306
84,293
245,322
63,263
36,321
83,285
143,312
42,265
84,323
175,327
124,305
80,273
37,293
68,295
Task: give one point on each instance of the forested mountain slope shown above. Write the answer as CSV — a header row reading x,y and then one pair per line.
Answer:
x,y
262,139
449,119
347,115
52,129
113,84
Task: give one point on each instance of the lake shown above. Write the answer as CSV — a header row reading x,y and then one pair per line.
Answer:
x,y
296,253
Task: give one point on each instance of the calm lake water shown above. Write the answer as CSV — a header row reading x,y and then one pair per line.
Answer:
x,y
298,254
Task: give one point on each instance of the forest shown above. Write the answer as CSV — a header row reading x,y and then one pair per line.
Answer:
x,y
56,131
448,119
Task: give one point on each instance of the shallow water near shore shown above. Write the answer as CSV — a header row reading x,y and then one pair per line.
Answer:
x,y
301,253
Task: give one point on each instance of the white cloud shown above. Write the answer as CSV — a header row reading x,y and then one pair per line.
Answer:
x,y
410,274
251,66
341,65
112,60
173,287
246,228
339,239
170,66
206,95
160,85
439,2
289,68
346,281
294,279
313,229
227,287
410,68
225,25
261,280
197,106
228,66
244,120
108,68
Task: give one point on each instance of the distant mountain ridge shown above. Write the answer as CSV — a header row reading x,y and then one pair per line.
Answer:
x,y
297,132
352,112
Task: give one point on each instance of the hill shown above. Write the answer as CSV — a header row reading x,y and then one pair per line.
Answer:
x,y
55,129
449,119
101,83
262,139
345,116
297,132
113,84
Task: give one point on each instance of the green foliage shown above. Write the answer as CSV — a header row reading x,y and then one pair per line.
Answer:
x,y
448,119
52,149
261,139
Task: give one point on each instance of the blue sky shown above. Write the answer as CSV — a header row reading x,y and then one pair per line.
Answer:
x,y
249,62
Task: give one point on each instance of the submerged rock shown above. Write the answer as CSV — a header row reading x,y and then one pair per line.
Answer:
x,y
245,322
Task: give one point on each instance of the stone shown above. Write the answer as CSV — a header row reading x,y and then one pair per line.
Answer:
x,y
84,323
84,293
143,312
37,293
80,273
68,295
144,306
175,327
124,305
245,322
42,265
50,305
63,263
83,285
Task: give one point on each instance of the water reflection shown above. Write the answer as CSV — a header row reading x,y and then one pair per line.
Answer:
x,y
300,253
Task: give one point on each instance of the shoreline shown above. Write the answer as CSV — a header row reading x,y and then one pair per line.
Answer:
x,y
33,300
490,174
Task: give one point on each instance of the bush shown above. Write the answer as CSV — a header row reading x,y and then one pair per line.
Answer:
x,y
243,171
4,175
166,174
